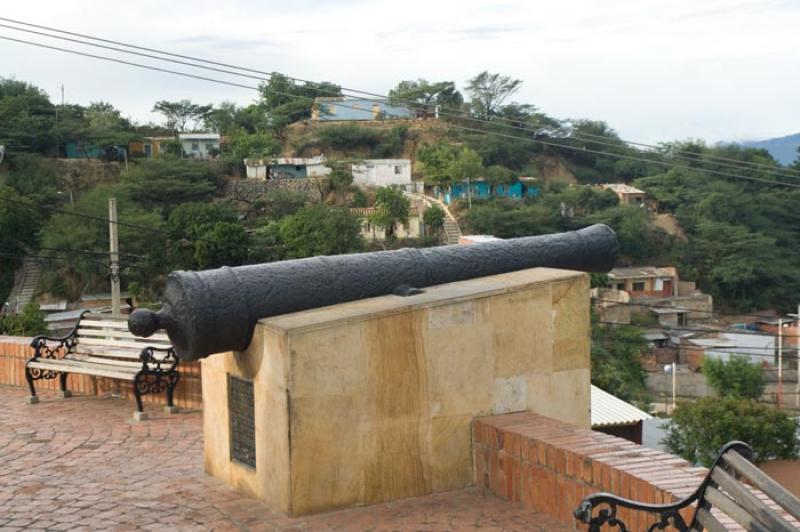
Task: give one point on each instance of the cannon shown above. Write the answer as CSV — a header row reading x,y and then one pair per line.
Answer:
x,y
214,311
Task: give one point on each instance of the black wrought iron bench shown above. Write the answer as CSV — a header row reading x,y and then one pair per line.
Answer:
x,y
101,345
727,488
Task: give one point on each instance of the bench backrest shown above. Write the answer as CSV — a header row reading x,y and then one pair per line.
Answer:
x,y
106,336
740,490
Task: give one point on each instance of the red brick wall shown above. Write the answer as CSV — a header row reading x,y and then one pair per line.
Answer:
x,y
551,466
14,352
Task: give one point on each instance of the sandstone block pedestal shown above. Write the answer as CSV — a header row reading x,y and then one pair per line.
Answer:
x,y
372,400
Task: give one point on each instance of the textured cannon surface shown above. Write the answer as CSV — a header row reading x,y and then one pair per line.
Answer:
x,y
215,311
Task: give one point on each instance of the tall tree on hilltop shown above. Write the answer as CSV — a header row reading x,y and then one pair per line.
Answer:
x,y
287,101
179,114
489,91
441,93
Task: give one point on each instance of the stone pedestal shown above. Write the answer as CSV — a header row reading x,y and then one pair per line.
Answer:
x,y
372,400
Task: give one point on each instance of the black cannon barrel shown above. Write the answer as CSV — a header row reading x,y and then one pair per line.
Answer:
x,y
214,311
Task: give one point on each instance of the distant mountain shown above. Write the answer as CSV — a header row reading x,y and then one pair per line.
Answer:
x,y
784,149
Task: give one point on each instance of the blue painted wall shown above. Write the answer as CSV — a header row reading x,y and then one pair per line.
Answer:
x,y
80,150
482,190
361,109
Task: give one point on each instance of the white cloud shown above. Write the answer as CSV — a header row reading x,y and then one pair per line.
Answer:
x,y
656,70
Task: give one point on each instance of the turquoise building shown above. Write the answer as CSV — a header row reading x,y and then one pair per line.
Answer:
x,y
481,189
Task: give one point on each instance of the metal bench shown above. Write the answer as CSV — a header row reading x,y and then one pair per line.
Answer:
x,y
728,488
101,345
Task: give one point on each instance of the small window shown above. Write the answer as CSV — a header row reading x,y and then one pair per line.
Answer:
x,y
298,168
620,286
209,146
638,286
195,146
398,169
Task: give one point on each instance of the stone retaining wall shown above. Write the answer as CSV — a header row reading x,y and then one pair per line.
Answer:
x,y
251,190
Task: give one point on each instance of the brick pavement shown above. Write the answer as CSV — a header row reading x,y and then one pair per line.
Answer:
x,y
82,464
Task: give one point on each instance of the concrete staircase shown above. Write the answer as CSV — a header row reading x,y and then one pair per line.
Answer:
x,y
452,231
31,274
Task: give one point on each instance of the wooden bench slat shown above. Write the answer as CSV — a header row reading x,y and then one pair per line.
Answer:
x,y
69,366
113,343
156,339
80,357
762,481
709,522
733,510
752,504
105,351
110,324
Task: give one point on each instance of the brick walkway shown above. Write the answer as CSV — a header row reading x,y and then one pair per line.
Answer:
x,y
81,463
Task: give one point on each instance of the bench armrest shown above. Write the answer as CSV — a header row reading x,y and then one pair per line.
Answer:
x,y
41,341
669,514
158,359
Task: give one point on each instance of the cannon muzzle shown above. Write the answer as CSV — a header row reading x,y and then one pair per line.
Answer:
x,y
214,311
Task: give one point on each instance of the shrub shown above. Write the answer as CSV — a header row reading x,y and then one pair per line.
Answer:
x,y
736,377
700,429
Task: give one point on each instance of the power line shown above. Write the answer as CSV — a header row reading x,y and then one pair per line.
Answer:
x,y
698,311
65,251
690,329
452,126
721,160
86,216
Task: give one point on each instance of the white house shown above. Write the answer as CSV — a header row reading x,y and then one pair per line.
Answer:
x,y
287,168
200,145
382,172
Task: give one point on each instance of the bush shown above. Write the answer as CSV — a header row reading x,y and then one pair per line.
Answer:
x,y
29,323
700,429
735,378
433,217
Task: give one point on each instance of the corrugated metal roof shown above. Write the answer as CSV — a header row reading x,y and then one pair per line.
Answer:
x,y
609,410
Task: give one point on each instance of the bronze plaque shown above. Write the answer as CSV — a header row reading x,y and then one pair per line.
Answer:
x,y
242,415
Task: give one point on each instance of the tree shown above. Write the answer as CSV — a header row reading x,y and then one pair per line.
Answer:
x,y
166,182
421,91
615,362
107,127
320,230
698,430
220,244
143,258
736,377
19,220
27,117
286,101
340,181
179,114
489,91
433,218
391,208
442,163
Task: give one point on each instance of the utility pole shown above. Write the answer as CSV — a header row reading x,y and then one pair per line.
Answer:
x,y
779,397
114,248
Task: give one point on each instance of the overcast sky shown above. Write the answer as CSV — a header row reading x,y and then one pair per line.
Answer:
x,y
653,69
